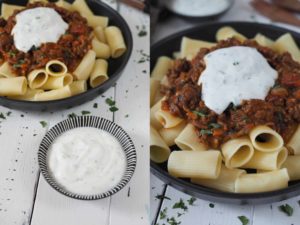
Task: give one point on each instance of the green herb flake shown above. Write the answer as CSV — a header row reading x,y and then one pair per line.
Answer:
x,y
179,214
142,33
43,123
163,214
191,200
12,53
8,113
199,113
244,220
172,221
72,115
113,109
211,205
180,205
19,63
2,116
205,132
287,209
162,197
95,105
127,115
214,125
85,112
110,102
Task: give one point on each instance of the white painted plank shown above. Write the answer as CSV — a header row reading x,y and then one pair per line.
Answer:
x,y
131,205
202,212
20,141
157,191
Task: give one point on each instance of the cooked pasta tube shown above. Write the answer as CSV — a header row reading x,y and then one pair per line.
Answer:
x,y
13,86
37,78
292,164
33,1
57,82
190,47
153,120
166,119
99,33
294,142
164,81
224,182
237,152
99,73
64,4
263,40
29,95
265,139
286,43
82,7
159,150
86,66
176,55
5,71
225,33
61,93
102,50
267,161
195,164
170,134
56,68
154,88
96,21
161,68
78,87
188,139
115,41
262,182
7,10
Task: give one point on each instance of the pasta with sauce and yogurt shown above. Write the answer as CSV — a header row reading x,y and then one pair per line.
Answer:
x,y
56,50
220,111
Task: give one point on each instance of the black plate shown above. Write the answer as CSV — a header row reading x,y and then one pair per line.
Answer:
x,y
116,66
207,32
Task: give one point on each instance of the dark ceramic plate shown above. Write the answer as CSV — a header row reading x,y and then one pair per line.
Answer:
x,y
116,66
88,121
207,32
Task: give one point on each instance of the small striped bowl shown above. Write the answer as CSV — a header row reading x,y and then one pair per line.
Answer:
x,y
88,121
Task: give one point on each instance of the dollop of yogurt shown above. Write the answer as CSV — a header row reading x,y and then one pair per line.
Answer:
x,y
87,161
37,26
235,74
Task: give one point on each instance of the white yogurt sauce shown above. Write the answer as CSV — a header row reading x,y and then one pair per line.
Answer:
x,y
87,161
197,7
37,26
234,74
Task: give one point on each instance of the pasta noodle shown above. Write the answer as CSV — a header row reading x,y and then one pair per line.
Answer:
x,y
115,41
7,10
262,182
99,73
265,139
58,82
292,164
37,78
237,152
13,86
228,32
264,41
29,95
102,50
190,47
224,182
78,87
56,68
82,8
5,71
64,4
286,43
167,119
169,134
294,142
188,139
96,21
161,68
159,151
153,120
195,164
154,88
99,32
86,66
64,92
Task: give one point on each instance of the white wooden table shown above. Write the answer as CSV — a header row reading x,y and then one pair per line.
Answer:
x,y
26,198
163,197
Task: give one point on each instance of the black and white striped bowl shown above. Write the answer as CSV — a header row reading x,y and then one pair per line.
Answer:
x,y
88,121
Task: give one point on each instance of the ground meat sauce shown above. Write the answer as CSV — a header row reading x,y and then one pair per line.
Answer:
x,y
70,48
280,110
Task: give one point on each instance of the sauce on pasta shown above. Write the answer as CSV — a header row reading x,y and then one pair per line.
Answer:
x,y
70,48
280,110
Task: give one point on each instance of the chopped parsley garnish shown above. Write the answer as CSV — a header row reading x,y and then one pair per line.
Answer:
x,y
85,112
113,109
110,102
287,209
19,63
43,123
162,197
142,33
172,221
127,115
95,105
8,113
211,205
205,132
12,53
72,115
199,113
244,220
163,214
179,214
214,125
2,116
191,200
180,205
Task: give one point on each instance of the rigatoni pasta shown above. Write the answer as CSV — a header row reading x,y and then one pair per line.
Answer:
x,y
99,73
115,41
159,150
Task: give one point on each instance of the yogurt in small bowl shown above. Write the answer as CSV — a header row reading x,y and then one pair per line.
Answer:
x,y
87,158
